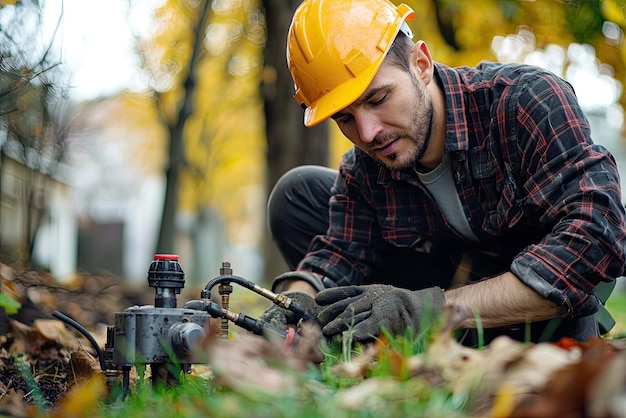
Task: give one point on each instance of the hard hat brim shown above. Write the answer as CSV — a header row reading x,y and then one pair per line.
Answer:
x,y
348,92
340,97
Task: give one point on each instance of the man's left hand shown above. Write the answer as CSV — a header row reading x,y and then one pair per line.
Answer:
x,y
368,309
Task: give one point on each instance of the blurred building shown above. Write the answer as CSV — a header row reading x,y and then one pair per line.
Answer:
x,y
52,208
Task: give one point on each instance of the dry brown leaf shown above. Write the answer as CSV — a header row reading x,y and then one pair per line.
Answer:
x,y
536,364
569,390
497,356
14,291
398,363
7,274
12,404
242,364
449,363
367,395
607,392
252,363
84,366
521,377
22,340
54,331
358,366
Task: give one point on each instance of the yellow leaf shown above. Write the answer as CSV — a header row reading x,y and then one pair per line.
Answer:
x,y
505,400
82,401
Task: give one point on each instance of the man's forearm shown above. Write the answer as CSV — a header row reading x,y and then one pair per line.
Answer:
x,y
502,301
297,286
499,301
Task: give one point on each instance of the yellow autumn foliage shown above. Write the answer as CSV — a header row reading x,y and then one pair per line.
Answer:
x,y
224,136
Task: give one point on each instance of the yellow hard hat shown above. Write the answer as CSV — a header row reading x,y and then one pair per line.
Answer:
x,y
335,48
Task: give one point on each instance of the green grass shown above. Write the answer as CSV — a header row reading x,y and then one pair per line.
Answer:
x,y
316,393
385,389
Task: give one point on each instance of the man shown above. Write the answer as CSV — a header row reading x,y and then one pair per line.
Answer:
x,y
475,187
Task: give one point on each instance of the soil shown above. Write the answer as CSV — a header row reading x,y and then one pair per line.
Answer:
x,y
36,349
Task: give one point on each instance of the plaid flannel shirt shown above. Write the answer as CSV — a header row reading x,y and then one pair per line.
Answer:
x,y
530,179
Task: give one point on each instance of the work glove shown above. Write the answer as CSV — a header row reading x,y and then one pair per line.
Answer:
x,y
368,309
282,318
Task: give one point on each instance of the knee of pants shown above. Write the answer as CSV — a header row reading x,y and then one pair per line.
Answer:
x,y
298,210
301,191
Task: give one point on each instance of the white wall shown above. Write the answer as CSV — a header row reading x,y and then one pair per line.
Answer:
x,y
56,241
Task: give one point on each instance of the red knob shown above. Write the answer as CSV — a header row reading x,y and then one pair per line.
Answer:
x,y
168,257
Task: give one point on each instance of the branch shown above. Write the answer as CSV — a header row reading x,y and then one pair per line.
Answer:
x,y
54,34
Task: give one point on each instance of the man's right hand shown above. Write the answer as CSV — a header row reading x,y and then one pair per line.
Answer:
x,y
282,318
368,309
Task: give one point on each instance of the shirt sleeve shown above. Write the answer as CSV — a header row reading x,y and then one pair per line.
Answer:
x,y
574,185
348,253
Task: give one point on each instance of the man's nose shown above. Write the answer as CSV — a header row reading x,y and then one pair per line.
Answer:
x,y
368,127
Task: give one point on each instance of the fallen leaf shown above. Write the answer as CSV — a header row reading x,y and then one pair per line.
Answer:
x,y
358,366
242,364
54,331
250,363
12,404
607,391
82,401
10,305
366,395
83,367
571,387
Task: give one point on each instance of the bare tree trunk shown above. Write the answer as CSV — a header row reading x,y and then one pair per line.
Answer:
x,y
289,142
176,150
33,213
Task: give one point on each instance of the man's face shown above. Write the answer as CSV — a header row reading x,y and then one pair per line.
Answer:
x,y
392,120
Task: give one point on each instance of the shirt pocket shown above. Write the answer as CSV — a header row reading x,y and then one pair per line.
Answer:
x,y
498,193
406,232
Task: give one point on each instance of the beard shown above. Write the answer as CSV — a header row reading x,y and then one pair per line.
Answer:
x,y
418,133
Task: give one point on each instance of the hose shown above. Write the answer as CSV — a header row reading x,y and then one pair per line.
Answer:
x,y
125,382
86,333
279,299
256,326
206,292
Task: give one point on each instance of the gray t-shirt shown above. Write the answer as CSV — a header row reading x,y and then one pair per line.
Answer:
x,y
440,185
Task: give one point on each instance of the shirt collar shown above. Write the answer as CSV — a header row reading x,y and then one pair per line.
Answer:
x,y
456,121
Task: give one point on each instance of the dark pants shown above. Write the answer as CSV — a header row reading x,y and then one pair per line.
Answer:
x,y
298,211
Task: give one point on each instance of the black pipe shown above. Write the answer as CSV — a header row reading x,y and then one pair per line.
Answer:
x,y
125,382
206,292
256,326
86,333
292,306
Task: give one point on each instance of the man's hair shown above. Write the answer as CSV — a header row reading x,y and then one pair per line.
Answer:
x,y
400,51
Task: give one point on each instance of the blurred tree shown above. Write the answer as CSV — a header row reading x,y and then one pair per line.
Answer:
x,y
188,65
206,65
33,111
289,142
204,60
209,58
221,89
461,32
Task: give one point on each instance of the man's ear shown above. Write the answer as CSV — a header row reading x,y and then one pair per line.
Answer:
x,y
422,62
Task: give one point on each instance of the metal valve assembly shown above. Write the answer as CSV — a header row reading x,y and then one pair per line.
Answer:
x,y
165,337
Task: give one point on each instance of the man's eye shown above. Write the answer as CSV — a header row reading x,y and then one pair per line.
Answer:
x,y
343,119
379,100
